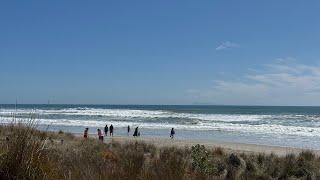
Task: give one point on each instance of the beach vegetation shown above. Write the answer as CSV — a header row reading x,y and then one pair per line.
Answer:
x,y
27,153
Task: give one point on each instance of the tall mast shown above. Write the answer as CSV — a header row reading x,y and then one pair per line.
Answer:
x,y
16,105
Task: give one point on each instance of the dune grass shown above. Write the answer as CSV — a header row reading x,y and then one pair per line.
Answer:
x,y
32,154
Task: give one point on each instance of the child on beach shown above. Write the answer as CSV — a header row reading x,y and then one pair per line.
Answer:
x,y
100,135
85,134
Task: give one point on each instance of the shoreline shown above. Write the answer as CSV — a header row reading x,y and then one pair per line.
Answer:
x,y
235,147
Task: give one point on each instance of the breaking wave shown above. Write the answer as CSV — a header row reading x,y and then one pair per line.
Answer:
x,y
288,124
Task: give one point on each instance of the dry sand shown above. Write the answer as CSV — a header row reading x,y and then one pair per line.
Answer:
x,y
229,146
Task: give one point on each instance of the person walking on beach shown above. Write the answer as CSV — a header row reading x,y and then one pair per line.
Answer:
x,y
111,130
106,130
128,130
100,135
135,134
85,134
172,133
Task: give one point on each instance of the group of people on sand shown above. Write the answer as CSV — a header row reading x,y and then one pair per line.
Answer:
x,y
136,131
110,130
106,129
100,134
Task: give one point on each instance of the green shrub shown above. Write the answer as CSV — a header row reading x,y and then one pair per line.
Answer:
x,y
200,160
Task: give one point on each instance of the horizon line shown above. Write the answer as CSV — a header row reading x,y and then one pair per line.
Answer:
x,y
160,104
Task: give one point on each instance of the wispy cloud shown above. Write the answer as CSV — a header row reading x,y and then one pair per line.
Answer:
x,y
281,83
227,45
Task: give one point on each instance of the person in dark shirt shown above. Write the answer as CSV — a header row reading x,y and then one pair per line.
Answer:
x,y
135,134
172,133
111,130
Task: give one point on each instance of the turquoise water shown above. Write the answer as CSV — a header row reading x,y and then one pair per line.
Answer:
x,y
270,125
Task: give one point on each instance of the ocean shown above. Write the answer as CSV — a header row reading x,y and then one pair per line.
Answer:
x,y
267,125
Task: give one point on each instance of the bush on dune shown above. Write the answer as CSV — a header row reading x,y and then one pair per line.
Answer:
x,y
24,154
84,159
171,164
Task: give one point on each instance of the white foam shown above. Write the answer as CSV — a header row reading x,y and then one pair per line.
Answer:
x,y
288,124
129,113
246,128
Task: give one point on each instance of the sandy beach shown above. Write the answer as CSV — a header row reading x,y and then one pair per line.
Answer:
x,y
229,146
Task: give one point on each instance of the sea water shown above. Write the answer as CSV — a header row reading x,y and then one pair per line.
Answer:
x,y
268,125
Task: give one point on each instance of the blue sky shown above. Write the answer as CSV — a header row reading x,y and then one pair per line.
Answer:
x,y
160,52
